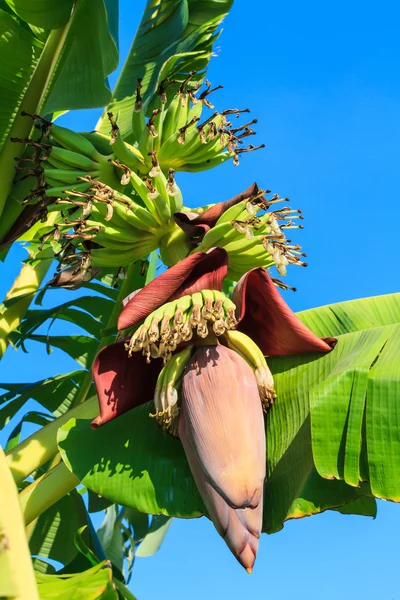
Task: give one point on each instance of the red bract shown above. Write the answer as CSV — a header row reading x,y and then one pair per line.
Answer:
x,y
221,424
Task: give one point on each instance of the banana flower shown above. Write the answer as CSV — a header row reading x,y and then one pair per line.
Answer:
x,y
200,356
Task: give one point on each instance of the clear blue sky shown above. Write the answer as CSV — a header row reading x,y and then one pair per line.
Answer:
x,y
322,78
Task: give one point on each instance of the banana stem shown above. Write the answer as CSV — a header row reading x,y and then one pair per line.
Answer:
x,y
31,103
46,491
41,446
26,284
17,578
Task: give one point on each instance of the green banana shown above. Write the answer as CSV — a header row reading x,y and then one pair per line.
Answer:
x,y
233,213
124,236
170,119
138,124
129,156
207,164
136,215
101,212
76,142
214,236
100,141
142,191
102,257
67,176
61,192
68,157
174,246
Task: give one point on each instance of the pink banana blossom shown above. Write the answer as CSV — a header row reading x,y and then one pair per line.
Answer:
x,y
214,402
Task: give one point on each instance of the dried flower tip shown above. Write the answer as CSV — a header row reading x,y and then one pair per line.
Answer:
x,y
165,328
219,327
239,226
251,208
150,123
195,315
265,384
171,187
202,328
155,165
186,331
153,332
114,128
230,320
282,285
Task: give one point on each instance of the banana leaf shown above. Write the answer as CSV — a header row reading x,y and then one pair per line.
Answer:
x,y
92,584
131,462
174,38
59,55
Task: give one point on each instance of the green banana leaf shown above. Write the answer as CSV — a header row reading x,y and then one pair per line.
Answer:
x,y
64,66
92,584
174,38
22,51
52,535
46,14
131,462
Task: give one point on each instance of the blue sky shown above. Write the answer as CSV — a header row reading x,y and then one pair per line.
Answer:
x,y
323,81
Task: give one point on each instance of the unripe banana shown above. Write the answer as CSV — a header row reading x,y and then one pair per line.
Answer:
x,y
175,246
67,176
61,192
162,201
141,189
102,257
215,235
79,161
138,124
241,245
136,215
170,119
100,141
124,236
101,213
233,213
75,142
207,164
197,299
127,154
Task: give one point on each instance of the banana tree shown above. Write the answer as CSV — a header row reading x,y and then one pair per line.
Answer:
x,y
184,367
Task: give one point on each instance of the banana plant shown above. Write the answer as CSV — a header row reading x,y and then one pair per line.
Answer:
x,y
201,392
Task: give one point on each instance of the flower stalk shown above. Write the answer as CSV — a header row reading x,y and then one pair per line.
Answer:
x,y
41,446
17,578
46,491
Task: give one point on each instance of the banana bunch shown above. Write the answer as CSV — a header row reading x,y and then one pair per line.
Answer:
x,y
116,229
177,321
175,135
247,349
115,220
254,237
